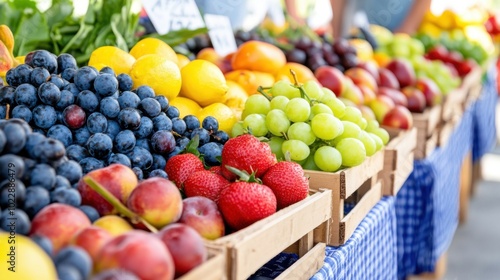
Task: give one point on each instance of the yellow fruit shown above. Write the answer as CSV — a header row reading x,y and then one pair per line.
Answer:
x,y
119,60
113,224
186,106
430,29
203,82
156,71
222,113
446,20
29,260
182,60
153,46
364,49
302,73
20,59
236,97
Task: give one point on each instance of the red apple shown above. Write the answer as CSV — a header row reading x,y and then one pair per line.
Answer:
x,y
92,239
118,179
438,52
59,223
397,96
157,200
115,274
371,67
139,252
430,90
403,71
202,214
331,78
362,77
387,79
464,67
398,117
416,99
380,106
185,245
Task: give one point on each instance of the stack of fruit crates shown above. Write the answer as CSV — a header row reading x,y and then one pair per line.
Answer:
x,y
298,228
358,185
398,159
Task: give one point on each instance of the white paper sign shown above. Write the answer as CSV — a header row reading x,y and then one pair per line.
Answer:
x,y
221,34
171,15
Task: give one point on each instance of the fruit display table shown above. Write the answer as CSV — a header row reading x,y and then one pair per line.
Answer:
x,y
370,253
427,204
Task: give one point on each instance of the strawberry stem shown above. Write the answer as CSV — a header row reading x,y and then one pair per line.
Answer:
x,y
244,176
117,204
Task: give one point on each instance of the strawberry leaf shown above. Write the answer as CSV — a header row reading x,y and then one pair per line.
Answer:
x,y
243,175
192,146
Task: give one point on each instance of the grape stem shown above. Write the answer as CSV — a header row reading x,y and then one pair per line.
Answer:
x,y
7,112
303,93
122,209
260,89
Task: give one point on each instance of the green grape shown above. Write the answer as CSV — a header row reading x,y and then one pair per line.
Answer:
x,y
284,88
313,90
377,140
372,125
335,104
277,122
298,110
351,130
383,134
368,142
275,143
237,129
257,104
347,102
301,131
326,126
328,92
279,102
256,124
320,108
354,115
328,158
309,163
297,149
352,151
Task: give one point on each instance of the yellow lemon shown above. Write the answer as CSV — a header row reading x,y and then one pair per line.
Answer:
x,y
203,82
28,260
153,46
20,59
182,60
186,106
119,60
236,97
156,71
113,224
222,113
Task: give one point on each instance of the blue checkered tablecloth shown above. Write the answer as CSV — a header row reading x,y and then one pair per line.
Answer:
x,y
427,204
369,254
484,117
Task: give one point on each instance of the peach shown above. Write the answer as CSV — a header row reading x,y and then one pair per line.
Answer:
x,y
59,223
92,239
118,179
380,106
202,214
362,77
157,200
114,225
138,252
398,117
209,54
185,245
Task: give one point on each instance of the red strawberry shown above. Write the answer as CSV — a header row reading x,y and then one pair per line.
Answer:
x,y
216,169
288,183
246,152
205,183
244,203
179,167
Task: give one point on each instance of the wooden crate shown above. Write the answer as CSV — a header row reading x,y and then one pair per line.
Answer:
x,y
213,269
446,130
302,224
398,159
357,184
427,125
453,103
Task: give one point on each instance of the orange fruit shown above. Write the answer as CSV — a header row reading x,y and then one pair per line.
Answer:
x,y
208,54
245,78
258,56
302,73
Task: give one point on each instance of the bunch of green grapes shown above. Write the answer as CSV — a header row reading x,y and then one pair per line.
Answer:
x,y
311,125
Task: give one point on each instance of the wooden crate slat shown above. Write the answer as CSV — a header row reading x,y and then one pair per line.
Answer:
x,y
356,176
212,269
306,266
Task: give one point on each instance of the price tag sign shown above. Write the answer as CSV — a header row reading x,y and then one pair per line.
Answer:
x,y
221,34
171,15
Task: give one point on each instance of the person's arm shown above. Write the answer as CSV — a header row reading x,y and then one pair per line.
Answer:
x,y
337,11
414,18
291,7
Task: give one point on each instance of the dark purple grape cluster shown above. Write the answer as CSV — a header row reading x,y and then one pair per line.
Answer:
x,y
34,172
100,118
313,54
